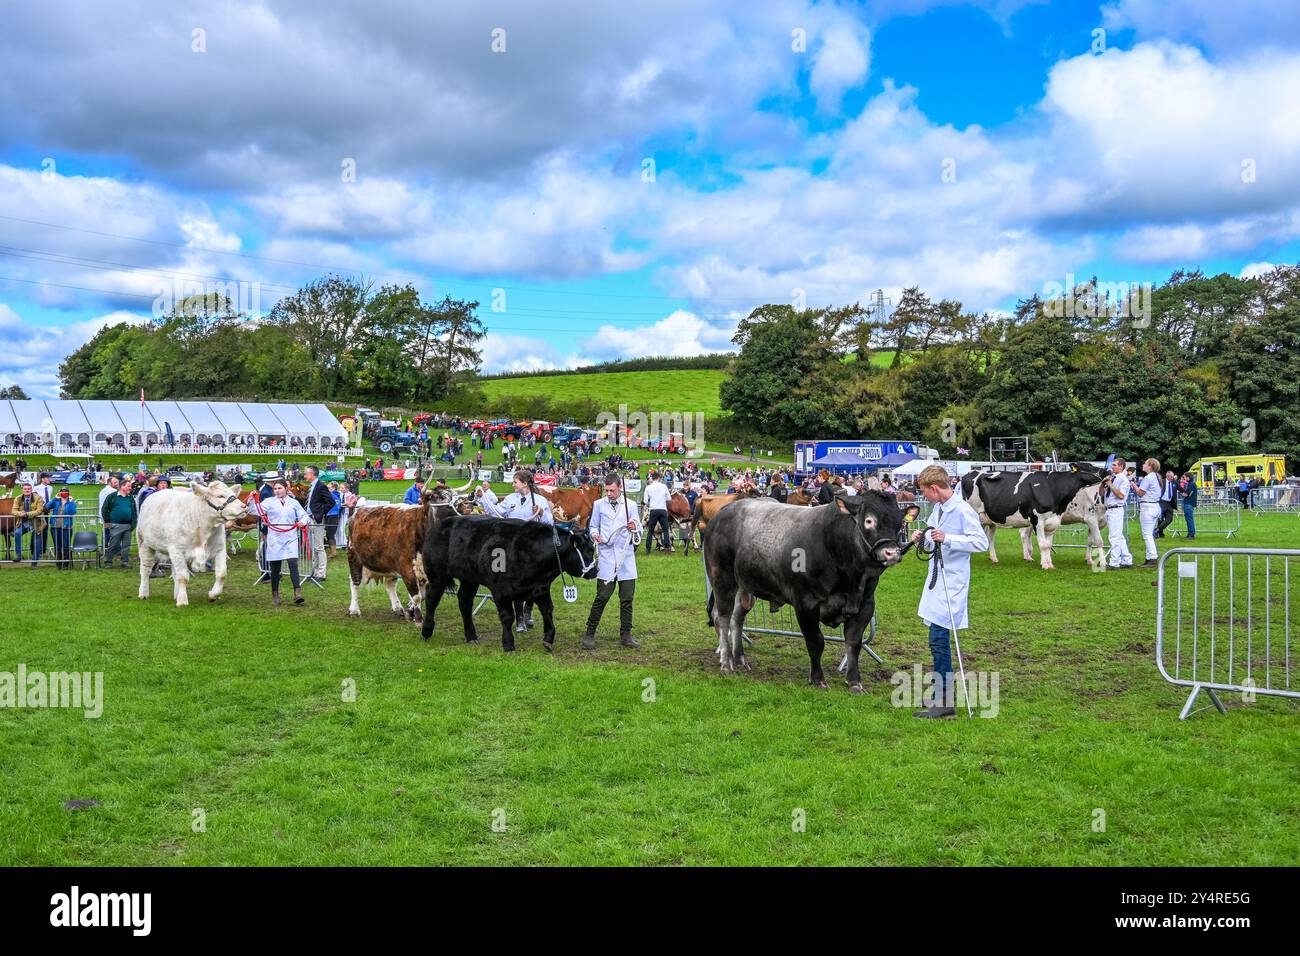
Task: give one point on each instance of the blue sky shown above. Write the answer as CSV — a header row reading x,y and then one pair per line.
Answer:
x,y
801,151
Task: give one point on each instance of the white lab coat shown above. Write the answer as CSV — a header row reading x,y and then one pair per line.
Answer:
x,y
487,499
963,536
616,555
283,544
515,505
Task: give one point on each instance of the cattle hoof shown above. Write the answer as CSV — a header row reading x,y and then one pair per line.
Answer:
x,y
744,664
728,669
354,612
471,640
857,688
819,684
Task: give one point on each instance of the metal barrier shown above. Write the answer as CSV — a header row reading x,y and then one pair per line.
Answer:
x,y
80,530
1212,516
1276,499
763,620
306,558
1231,594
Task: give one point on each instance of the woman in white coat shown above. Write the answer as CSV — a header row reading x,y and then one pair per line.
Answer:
x,y
956,533
284,517
1148,492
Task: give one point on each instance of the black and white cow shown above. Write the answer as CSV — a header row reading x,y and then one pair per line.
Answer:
x,y
824,562
1039,501
516,560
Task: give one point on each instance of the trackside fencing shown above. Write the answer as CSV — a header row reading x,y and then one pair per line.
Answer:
x,y
1212,516
1275,499
761,619
1223,622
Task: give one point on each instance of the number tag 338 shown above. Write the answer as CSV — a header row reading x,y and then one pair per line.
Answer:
x,y
570,593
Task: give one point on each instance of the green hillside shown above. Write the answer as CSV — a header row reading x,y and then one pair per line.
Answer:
x,y
694,390
690,390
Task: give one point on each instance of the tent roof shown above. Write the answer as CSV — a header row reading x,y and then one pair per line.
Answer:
x,y
262,417
130,414
323,422
842,459
32,416
201,417
102,416
294,420
233,420
68,417
892,461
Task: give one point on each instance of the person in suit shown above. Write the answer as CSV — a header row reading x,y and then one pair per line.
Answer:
x,y
1168,496
319,503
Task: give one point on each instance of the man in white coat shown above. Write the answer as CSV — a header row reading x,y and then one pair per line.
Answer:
x,y
956,533
1115,497
613,526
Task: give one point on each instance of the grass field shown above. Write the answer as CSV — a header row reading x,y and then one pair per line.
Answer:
x,y
236,710
689,390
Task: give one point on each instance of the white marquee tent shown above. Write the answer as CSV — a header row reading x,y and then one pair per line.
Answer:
x,y
105,425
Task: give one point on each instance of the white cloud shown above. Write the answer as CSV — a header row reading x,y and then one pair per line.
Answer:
x,y
1255,269
840,63
1224,27
30,354
679,334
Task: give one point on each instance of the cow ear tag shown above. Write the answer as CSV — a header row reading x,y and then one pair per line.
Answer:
x,y
570,593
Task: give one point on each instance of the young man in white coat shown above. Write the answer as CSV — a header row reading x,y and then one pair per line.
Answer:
x,y
1116,494
956,533
612,526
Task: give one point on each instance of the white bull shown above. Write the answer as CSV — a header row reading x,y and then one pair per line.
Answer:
x,y
189,527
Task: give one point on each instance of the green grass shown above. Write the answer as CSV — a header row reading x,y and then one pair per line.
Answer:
x,y
669,391
237,709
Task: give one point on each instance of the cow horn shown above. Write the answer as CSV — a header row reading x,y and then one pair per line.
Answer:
x,y
463,488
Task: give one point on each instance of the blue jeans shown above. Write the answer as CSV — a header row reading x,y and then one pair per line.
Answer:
x,y
38,544
1189,515
941,650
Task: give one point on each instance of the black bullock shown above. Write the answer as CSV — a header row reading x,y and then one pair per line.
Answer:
x,y
516,560
824,562
1039,502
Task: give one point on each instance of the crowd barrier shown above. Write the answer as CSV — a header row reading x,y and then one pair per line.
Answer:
x,y
306,558
1211,515
1277,499
84,535
1224,624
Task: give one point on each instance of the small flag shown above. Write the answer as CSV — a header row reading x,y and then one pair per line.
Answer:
x,y
142,397
963,451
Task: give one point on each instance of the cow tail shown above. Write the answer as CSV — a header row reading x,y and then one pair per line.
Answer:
x,y
709,608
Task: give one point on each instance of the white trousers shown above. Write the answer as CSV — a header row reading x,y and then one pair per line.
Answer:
x,y
1148,515
1119,553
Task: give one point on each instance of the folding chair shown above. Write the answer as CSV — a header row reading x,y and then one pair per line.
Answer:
x,y
83,543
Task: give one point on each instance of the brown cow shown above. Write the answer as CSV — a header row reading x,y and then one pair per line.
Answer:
x,y
680,514
384,544
573,503
798,497
8,481
708,506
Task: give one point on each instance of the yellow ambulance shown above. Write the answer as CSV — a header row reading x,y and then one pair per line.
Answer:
x,y
1228,469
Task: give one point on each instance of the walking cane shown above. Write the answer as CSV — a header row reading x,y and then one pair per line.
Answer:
x,y
952,621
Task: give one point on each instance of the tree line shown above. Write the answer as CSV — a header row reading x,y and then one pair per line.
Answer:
x,y
1210,366
335,339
